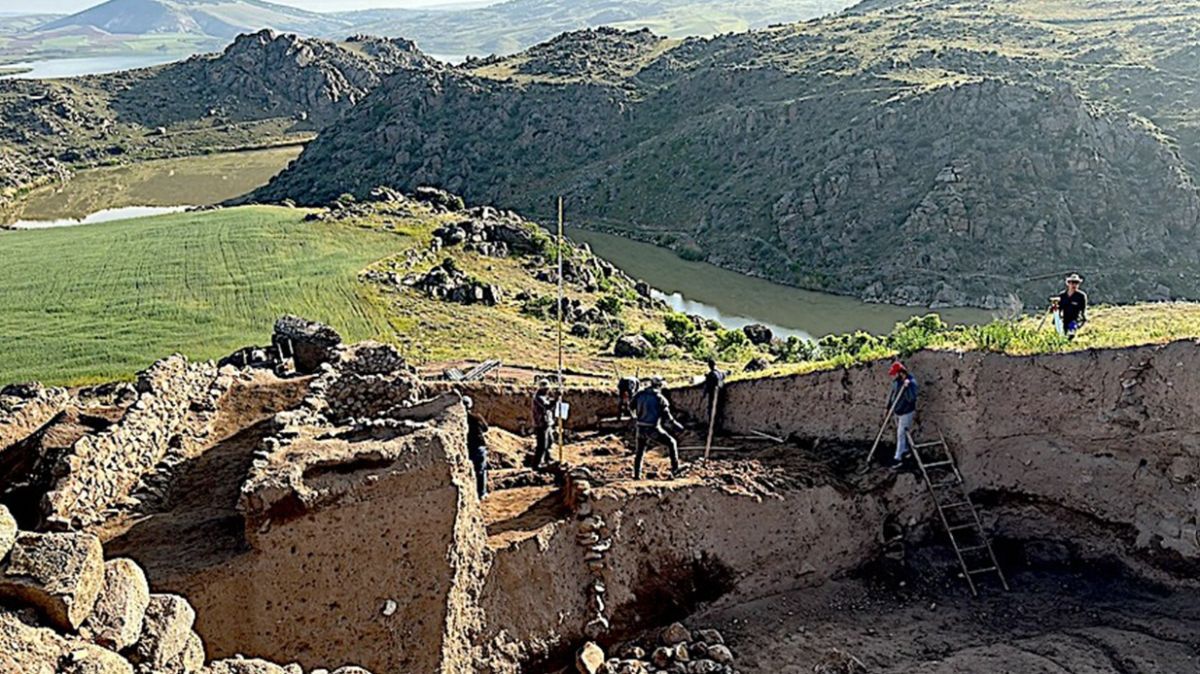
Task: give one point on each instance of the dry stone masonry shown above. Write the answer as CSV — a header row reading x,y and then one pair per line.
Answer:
x,y
174,407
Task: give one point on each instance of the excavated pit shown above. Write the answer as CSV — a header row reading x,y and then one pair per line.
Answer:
x,y
361,540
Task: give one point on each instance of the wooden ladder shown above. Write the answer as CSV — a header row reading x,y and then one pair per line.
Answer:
x,y
958,513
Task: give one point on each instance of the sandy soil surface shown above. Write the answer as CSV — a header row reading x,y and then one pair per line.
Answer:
x,y
1056,621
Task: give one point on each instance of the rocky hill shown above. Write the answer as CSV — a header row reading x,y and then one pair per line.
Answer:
x,y
919,152
264,89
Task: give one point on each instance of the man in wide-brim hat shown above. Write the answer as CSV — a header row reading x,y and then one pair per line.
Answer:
x,y
1071,306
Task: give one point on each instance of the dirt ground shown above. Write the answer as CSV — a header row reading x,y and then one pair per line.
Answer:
x,y
1053,621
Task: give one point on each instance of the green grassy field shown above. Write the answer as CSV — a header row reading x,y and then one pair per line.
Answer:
x,y
99,302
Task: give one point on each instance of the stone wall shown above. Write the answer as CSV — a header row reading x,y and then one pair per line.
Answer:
x,y
26,408
175,404
1112,435
366,543
68,611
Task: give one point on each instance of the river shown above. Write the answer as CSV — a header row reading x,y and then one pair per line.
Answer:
x,y
691,287
737,300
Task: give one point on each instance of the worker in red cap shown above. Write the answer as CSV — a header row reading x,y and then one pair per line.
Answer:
x,y
902,401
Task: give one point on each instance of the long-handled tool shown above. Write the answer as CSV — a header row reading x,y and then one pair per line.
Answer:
x,y
712,423
879,436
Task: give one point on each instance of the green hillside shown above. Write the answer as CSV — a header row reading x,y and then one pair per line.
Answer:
x,y
930,152
101,301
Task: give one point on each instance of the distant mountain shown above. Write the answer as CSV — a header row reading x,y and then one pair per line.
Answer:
x,y
222,19
510,26
928,152
192,26
13,24
264,89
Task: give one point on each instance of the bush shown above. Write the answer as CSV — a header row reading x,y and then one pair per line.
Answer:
x,y
656,338
916,333
683,331
610,305
732,345
852,345
795,350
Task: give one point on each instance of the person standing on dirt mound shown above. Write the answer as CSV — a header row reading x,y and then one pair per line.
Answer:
x,y
1071,306
653,411
477,430
543,422
902,401
714,395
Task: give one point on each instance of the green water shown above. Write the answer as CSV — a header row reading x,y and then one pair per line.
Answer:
x,y
736,300
187,181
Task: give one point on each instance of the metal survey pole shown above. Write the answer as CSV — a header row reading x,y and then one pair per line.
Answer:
x,y
558,409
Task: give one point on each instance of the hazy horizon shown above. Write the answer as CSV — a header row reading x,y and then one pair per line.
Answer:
x,y
73,6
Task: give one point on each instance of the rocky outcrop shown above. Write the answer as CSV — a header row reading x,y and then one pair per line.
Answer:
x,y
271,75
807,155
66,611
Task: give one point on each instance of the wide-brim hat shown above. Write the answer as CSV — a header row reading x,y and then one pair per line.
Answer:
x,y
1074,278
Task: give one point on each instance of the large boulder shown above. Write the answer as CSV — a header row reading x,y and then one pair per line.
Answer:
x,y
116,621
312,344
758,333
167,635
8,532
632,346
26,647
61,574
441,200
84,658
244,666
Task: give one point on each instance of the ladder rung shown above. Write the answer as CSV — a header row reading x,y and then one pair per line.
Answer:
x,y
919,445
984,570
960,527
938,464
973,548
954,505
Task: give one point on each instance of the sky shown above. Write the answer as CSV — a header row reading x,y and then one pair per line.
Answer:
x,y
72,6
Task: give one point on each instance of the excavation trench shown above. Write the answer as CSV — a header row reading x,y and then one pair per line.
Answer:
x,y
363,541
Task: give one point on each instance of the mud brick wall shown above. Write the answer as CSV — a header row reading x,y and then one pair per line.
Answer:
x,y
366,546
1113,434
102,469
509,406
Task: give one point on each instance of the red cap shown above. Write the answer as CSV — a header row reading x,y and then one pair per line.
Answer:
x,y
897,368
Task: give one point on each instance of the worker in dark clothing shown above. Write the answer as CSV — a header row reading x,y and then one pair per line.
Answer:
x,y
477,430
653,411
902,401
543,422
627,388
714,394
1071,306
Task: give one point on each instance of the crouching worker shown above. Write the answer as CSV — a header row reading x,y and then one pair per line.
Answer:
x,y
543,422
902,401
477,430
653,412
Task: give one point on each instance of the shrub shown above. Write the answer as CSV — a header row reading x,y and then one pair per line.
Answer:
x,y
610,305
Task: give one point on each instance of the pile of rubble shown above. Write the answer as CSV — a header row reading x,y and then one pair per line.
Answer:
x,y
677,650
68,611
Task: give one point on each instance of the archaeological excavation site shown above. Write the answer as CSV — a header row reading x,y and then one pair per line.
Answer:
x,y
309,506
